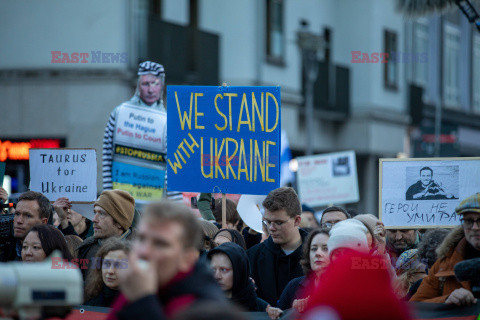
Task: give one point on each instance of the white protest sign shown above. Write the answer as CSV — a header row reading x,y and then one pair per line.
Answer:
x,y
423,193
70,173
250,208
328,179
144,129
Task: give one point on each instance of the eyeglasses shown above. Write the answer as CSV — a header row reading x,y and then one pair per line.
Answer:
x,y
276,224
468,223
329,225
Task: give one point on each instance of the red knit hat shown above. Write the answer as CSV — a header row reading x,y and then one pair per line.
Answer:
x,y
357,286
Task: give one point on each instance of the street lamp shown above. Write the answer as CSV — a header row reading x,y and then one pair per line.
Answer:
x,y
309,44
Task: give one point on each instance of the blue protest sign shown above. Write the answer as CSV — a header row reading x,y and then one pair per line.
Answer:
x,y
227,138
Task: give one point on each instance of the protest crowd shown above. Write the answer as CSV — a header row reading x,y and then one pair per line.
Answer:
x,y
161,261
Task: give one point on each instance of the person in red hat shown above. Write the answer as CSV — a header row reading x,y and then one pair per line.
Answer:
x,y
356,285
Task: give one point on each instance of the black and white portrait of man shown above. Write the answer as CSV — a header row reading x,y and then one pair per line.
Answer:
x,y
427,188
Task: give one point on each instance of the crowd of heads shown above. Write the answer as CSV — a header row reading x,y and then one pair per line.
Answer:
x,y
174,240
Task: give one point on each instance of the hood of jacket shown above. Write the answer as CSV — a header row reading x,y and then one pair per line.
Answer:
x,y
450,242
243,290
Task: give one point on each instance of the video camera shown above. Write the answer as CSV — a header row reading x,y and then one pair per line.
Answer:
x,y
7,205
6,226
469,270
6,232
36,291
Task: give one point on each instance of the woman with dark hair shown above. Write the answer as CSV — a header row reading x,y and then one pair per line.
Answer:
x,y
102,284
41,241
427,247
232,271
315,260
229,235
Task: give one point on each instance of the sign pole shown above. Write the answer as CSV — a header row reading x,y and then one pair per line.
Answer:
x,y
224,211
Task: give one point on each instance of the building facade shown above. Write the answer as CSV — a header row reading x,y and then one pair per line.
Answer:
x,y
360,104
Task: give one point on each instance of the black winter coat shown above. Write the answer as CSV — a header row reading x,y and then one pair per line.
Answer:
x,y
105,299
272,269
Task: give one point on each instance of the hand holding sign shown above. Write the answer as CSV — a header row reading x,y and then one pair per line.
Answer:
x,y
3,195
61,206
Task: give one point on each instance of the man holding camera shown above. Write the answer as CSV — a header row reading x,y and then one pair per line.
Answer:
x,y
32,208
461,244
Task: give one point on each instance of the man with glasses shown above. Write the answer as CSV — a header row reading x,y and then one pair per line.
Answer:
x,y
461,244
333,215
276,261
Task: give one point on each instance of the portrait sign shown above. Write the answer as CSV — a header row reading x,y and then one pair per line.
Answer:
x,y
422,193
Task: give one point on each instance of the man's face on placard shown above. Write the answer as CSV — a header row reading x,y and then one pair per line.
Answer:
x,y
150,88
425,177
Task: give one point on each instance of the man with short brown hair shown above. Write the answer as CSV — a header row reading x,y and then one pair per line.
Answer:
x,y
32,208
173,278
276,261
333,215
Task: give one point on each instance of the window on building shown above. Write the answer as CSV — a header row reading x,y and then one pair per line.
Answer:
x,y
156,7
193,36
391,67
275,32
420,52
476,73
451,65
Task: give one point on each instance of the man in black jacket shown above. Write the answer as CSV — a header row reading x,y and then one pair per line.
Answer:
x,y
276,261
164,276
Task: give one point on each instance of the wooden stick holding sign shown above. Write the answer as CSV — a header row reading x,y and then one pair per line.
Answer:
x,y
224,211
224,197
